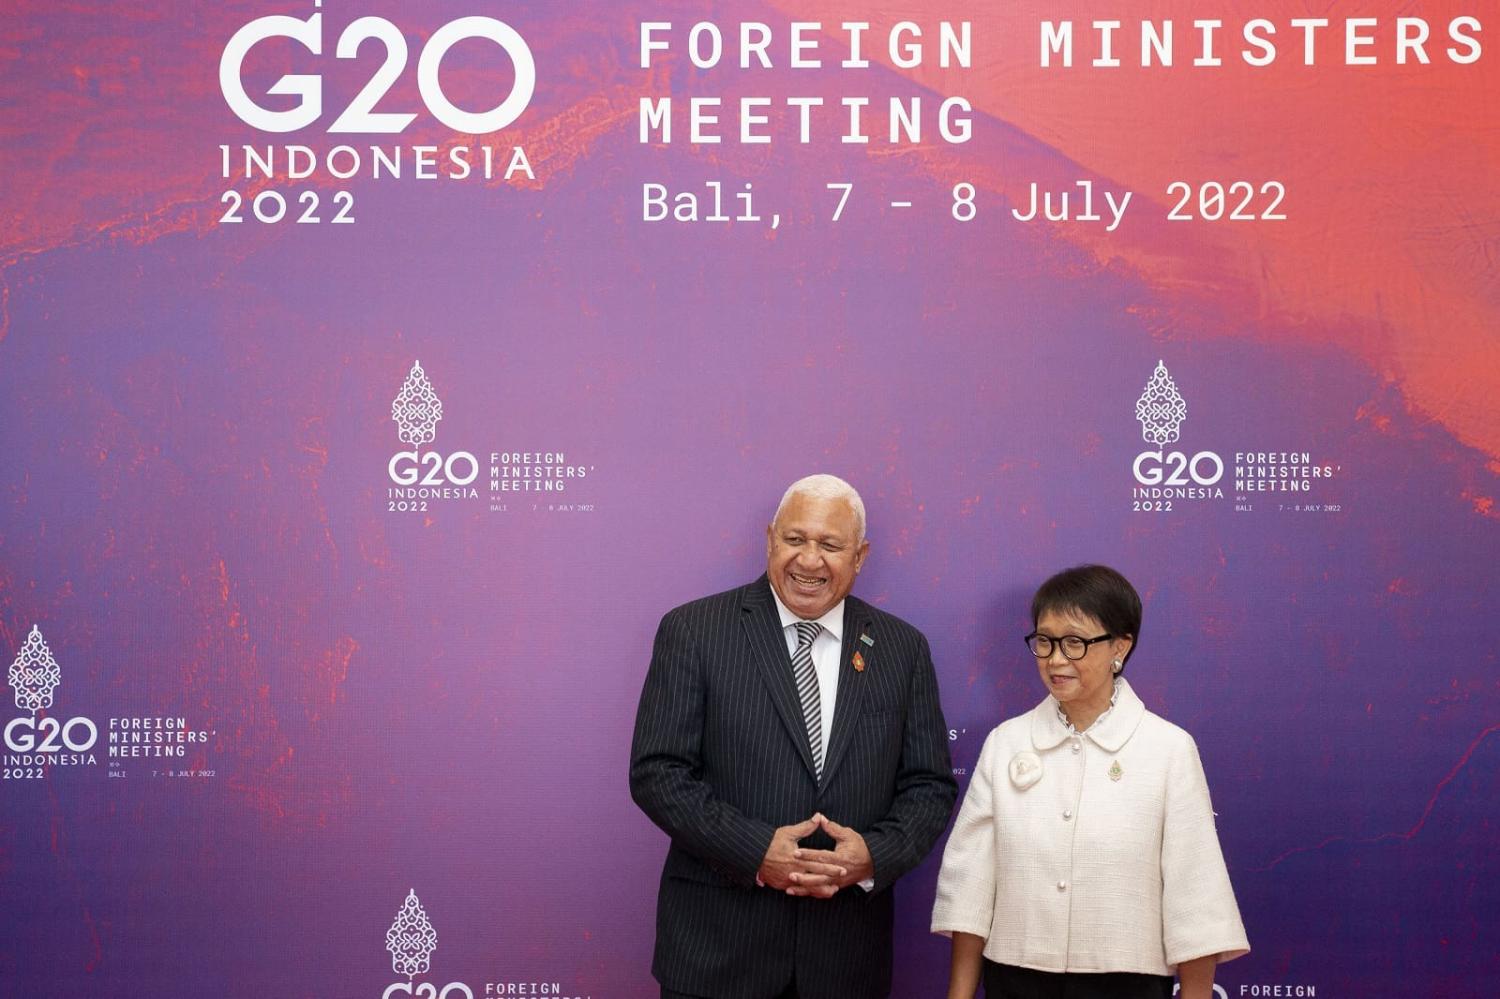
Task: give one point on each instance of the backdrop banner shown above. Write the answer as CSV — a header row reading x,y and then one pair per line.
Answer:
x,y
374,376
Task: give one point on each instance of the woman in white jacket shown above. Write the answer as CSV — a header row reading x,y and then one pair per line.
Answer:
x,y
1084,861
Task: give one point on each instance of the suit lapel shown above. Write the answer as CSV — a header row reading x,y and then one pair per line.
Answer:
x,y
768,648
847,705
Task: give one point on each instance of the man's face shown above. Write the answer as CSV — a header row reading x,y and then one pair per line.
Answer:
x,y
813,552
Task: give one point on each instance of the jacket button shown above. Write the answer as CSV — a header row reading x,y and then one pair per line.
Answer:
x,y
1067,814
1062,886
1076,746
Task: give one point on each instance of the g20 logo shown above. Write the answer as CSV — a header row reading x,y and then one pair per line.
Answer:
x,y
77,734
1174,468
360,115
427,990
457,469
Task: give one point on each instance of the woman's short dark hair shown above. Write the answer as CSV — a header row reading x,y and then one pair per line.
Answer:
x,y
1095,590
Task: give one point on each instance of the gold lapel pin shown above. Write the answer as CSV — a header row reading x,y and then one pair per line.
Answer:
x,y
859,662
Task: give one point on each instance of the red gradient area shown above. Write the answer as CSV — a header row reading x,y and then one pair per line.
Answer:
x,y
1392,202
1392,199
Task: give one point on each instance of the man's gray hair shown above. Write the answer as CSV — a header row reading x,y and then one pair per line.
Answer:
x,y
826,487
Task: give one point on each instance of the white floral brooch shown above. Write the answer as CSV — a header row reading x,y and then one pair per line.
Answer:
x,y
1025,770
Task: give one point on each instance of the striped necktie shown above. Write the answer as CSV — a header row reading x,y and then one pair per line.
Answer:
x,y
807,689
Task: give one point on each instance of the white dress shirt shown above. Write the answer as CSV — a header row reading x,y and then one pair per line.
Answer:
x,y
825,655
1089,852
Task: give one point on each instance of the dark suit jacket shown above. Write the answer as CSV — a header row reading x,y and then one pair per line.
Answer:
x,y
721,758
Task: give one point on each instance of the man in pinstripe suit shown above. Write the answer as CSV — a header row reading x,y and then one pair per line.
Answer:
x,y
790,742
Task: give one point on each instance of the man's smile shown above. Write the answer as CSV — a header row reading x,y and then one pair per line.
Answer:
x,y
813,553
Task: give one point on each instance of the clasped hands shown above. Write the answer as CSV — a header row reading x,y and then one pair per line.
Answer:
x,y
815,873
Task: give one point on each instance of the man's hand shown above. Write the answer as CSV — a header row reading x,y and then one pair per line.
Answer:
x,y
850,856
786,870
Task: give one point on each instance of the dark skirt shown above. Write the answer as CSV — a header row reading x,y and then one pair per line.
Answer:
x,y
1005,981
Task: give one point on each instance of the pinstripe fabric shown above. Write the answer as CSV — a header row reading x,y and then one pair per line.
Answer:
x,y
721,757
807,690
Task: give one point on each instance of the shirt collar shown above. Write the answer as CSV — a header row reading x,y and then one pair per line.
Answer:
x,y
832,622
1109,733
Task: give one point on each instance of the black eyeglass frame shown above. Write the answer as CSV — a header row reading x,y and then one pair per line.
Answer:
x,y
1058,643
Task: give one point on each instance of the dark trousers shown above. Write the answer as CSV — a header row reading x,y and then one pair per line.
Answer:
x,y
1004,981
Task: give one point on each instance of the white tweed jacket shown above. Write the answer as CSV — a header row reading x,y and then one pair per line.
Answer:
x,y
1089,853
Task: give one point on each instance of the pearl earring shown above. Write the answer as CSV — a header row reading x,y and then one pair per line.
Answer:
x,y
1119,665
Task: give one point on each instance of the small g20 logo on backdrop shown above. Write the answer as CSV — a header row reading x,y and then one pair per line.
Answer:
x,y
416,411
360,115
34,677
1161,411
411,941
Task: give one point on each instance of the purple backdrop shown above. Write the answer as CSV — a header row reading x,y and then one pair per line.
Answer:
x,y
199,516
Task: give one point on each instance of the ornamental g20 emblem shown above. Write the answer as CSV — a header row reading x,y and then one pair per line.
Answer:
x,y
1166,476
35,674
416,409
1161,409
411,939
418,477
35,743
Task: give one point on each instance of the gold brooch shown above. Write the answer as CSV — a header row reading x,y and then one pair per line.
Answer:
x,y
859,662
1115,773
